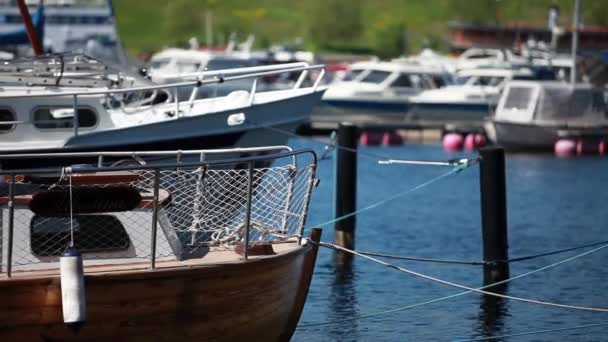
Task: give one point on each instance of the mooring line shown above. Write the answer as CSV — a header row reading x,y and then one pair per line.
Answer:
x,y
483,262
536,332
559,251
439,261
413,306
464,287
454,170
379,157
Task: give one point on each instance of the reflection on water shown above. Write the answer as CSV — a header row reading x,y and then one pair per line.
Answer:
x,y
492,312
551,206
343,296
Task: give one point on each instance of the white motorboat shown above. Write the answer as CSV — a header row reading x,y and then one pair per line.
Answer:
x,y
115,114
535,115
381,88
472,100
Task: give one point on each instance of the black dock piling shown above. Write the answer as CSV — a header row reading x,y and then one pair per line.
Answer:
x,y
345,200
494,214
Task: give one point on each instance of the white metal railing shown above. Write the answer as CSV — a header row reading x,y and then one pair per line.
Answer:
x,y
217,78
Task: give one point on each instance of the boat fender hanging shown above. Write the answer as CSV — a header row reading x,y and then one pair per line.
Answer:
x,y
87,200
73,299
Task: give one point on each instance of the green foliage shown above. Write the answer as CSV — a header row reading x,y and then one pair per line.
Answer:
x,y
335,22
383,27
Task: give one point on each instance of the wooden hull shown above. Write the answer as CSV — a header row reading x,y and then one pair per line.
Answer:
x,y
260,299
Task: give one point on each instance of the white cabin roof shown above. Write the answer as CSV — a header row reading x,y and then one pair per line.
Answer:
x,y
494,72
396,66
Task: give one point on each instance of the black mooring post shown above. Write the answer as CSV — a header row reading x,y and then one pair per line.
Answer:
x,y
345,200
494,214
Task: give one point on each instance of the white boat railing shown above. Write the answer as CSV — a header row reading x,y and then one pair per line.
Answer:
x,y
216,78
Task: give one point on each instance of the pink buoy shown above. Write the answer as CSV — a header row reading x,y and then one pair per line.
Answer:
x,y
480,140
474,141
565,148
370,138
452,142
469,142
391,139
601,148
586,146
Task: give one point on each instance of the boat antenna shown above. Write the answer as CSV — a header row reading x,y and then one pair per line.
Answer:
x,y
575,25
29,27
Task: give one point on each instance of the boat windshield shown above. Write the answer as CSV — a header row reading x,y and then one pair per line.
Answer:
x,y
376,76
518,98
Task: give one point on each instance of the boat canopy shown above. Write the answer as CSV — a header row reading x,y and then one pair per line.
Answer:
x,y
553,103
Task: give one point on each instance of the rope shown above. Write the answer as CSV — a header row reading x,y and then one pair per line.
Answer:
x,y
381,158
464,287
473,262
413,306
441,261
454,170
534,332
556,252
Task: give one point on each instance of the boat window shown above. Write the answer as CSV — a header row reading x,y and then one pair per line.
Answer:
x,y
489,81
159,63
376,76
62,117
404,81
49,236
599,103
565,103
6,115
187,67
220,64
518,98
438,81
352,75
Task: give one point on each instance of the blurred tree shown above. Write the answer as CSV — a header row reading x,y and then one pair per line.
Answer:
x,y
335,22
182,21
475,11
390,38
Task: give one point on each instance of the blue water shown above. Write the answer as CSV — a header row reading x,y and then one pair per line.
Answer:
x,y
552,204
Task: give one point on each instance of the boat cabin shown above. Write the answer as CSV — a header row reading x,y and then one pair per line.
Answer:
x,y
552,103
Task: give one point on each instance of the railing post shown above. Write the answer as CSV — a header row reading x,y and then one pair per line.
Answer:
x,y
11,216
494,214
75,121
176,95
248,212
345,200
154,220
254,88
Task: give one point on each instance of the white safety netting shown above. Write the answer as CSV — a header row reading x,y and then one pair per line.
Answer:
x,y
198,207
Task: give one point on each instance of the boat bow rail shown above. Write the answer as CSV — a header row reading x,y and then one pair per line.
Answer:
x,y
176,207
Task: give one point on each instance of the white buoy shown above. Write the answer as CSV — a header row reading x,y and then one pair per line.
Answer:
x,y
73,299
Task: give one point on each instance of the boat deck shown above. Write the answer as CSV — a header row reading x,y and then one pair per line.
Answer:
x,y
215,256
